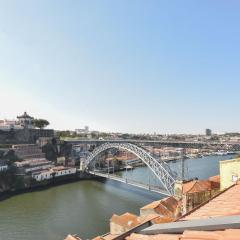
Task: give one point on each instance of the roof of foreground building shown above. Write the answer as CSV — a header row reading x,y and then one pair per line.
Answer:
x,y
226,203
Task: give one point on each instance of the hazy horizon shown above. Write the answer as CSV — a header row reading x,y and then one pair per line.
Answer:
x,y
122,66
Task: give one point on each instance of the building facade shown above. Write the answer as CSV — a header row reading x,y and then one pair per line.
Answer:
x,y
229,172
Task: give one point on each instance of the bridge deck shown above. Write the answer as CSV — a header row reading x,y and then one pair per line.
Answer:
x,y
131,182
157,143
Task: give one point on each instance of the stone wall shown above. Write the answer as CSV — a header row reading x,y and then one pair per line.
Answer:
x,y
24,135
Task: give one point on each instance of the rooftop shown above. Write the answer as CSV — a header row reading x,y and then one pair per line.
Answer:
x,y
72,237
25,115
197,186
227,234
127,220
224,204
166,206
32,162
60,168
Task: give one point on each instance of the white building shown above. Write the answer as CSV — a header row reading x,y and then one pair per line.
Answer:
x,y
63,171
31,165
3,167
53,172
7,125
85,130
42,175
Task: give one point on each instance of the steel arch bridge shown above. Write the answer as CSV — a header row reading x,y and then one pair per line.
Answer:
x,y
159,168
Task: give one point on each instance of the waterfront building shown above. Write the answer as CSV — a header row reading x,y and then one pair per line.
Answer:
x,y
229,172
31,165
42,175
53,172
63,171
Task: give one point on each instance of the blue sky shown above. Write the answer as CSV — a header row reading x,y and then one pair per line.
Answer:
x,y
129,66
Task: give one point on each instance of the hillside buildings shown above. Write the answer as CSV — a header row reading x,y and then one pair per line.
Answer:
x,y
25,151
22,121
21,130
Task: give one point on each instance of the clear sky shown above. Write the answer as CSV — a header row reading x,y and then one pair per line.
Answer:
x,y
127,66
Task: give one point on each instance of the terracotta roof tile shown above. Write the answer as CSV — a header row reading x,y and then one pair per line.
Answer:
x,y
166,207
196,186
225,204
71,237
228,234
97,238
108,236
215,178
135,236
127,220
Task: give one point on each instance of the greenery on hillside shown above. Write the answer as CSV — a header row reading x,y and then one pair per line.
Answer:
x,y
40,123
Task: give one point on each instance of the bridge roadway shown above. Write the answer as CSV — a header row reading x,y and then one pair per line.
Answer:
x,y
131,182
158,143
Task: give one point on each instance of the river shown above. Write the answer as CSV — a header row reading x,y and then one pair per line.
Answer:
x,y
83,207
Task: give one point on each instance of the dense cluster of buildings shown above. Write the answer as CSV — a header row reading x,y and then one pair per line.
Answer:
x,y
200,209
32,162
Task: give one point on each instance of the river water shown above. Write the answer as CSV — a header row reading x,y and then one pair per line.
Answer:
x,y
83,207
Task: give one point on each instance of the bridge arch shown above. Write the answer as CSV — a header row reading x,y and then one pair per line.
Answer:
x,y
159,168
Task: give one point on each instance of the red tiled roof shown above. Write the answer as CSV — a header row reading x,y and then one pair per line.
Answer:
x,y
135,236
126,220
228,234
196,186
215,178
70,237
97,238
166,206
224,204
108,236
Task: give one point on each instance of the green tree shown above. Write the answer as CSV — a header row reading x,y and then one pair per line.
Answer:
x,y
40,123
51,151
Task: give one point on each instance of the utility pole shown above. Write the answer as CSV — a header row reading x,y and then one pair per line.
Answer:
x,y
183,164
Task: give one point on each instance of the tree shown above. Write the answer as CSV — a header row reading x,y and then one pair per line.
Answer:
x,y
40,123
50,151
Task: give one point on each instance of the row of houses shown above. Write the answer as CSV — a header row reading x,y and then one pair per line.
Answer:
x,y
32,162
53,172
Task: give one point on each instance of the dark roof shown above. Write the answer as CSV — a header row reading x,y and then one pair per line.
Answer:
x,y
25,115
